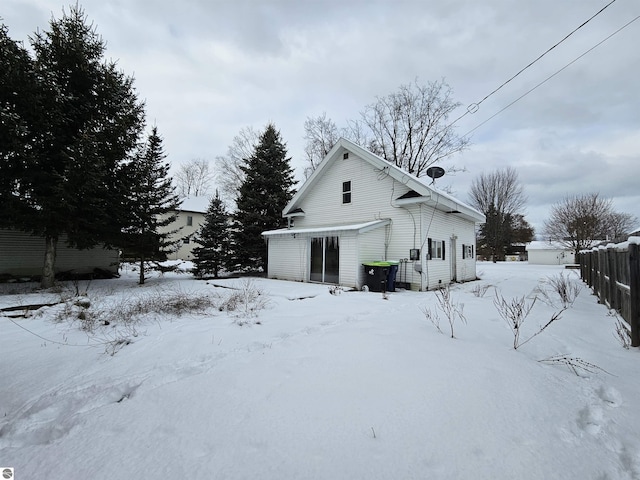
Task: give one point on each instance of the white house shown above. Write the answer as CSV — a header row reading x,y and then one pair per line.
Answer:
x,y
190,216
357,208
22,255
549,253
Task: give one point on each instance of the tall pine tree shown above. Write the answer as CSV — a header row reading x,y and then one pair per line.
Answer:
x,y
267,188
85,122
213,237
151,204
19,113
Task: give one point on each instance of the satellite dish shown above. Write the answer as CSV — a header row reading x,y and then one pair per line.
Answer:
x,y
435,172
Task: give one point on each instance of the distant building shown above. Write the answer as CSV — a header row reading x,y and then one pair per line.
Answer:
x,y
22,255
190,216
549,253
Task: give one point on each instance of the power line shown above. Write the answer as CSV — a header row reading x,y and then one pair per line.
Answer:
x,y
551,76
530,64
474,107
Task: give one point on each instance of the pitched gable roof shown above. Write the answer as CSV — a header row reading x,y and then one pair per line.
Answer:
x,y
422,193
194,204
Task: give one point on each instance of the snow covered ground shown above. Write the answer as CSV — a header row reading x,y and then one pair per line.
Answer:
x,y
317,386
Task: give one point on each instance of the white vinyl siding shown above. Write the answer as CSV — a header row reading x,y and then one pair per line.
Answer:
x,y
349,259
370,249
289,258
23,254
439,225
371,195
187,225
550,257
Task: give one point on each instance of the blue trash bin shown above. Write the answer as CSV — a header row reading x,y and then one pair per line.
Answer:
x,y
391,276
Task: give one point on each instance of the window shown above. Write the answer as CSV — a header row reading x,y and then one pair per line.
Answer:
x,y
186,240
189,221
436,250
467,251
346,192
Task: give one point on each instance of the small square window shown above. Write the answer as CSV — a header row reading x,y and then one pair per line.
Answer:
x,y
346,192
189,221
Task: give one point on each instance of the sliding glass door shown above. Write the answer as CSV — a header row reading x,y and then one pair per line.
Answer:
x,y
325,255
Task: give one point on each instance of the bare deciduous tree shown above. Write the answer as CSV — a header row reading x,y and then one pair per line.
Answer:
x,y
501,188
578,220
194,178
321,134
410,128
230,175
500,197
619,225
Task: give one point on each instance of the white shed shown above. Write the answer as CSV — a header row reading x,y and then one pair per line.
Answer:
x,y
549,253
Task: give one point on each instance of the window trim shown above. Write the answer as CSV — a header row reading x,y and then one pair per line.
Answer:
x,y
346,192
436,250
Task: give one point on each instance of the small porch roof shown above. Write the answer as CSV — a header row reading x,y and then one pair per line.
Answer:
x,y
357,227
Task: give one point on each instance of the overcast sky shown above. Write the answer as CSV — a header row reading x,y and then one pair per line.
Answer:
x,y
208,68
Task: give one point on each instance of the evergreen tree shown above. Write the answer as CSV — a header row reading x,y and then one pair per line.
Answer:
x,y
266,190
213,237
19,111
84,124
151,204
500,233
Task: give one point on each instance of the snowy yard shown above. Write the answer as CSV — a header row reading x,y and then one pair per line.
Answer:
x,y
348,386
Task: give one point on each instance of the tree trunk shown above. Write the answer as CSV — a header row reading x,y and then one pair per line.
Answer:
x,y
48,270
141,281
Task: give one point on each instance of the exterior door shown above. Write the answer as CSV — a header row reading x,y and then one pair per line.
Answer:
x,y
453,256
325,263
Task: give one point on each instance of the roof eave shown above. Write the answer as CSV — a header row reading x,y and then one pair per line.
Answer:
x,y
446,205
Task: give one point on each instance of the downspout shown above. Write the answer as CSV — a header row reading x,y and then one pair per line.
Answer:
x,y
423,257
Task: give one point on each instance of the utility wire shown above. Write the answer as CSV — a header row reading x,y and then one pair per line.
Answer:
x,y
551,76
473,107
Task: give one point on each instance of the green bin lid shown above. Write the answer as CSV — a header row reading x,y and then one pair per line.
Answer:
x,y
377,264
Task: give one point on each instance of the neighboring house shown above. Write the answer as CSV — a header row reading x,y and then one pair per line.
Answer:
x,y
549,253
357,208
22,255
190,216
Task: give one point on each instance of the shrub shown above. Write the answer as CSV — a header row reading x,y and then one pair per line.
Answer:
x,y
448,307
515,311
566,289
480,290
622,332
245,303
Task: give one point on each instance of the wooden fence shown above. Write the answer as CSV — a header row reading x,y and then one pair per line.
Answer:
x,y
613,272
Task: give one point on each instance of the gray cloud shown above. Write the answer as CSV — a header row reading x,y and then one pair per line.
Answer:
x,y
208,68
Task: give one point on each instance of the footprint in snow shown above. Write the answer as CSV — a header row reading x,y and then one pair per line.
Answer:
x,y
610,396
590,419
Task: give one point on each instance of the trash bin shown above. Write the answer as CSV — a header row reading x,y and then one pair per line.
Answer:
x,y
391,276
375,275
